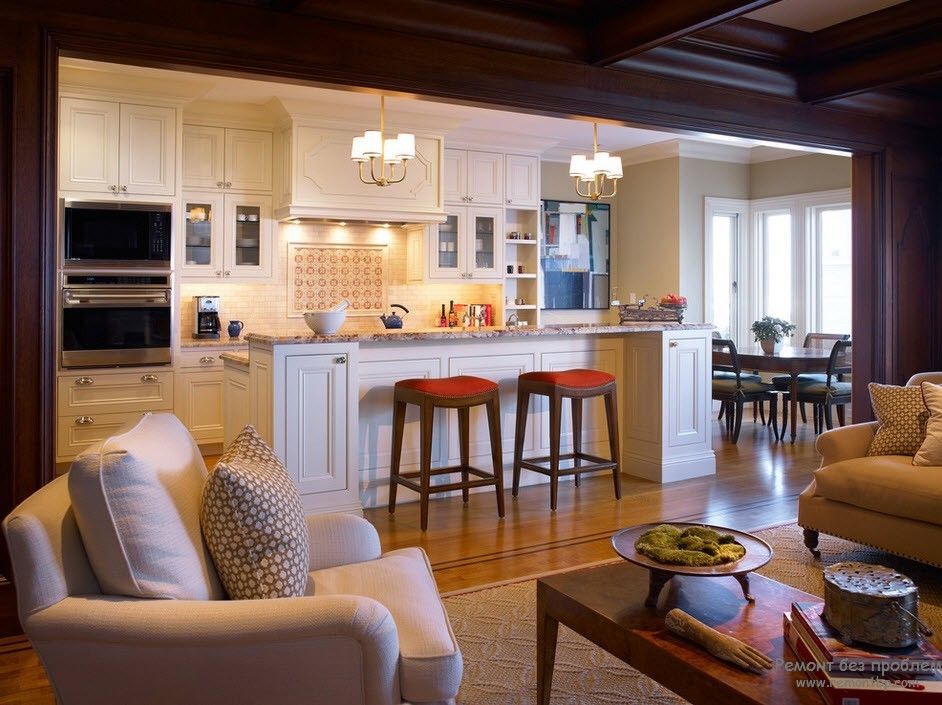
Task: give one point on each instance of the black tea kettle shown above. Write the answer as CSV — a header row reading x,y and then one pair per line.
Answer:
x,y
393,320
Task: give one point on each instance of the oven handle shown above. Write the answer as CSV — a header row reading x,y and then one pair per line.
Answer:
x,y
70,298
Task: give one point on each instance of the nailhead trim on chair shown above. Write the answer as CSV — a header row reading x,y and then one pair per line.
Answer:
x,y
870,545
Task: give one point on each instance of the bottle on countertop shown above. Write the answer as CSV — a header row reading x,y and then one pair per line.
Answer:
x,y
443,321
452,316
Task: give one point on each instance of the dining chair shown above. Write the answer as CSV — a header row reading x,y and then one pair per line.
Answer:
x,y
733,389
754,376
782,383
830,392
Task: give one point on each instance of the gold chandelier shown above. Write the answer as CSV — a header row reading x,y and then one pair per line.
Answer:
x,y
599,174
385,156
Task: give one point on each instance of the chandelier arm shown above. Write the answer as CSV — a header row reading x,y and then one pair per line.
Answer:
x,y
392,173
360,174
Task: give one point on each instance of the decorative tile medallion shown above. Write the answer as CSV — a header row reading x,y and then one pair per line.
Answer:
x,y
322,275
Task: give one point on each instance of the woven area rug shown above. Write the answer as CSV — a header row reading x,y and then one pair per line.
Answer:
x,y
496,628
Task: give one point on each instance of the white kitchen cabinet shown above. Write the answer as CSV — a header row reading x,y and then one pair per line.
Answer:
x,y
198,403
666,417
94,404
473,177
227,236
522,181
119,148
236,408
688,360
227,158
468,245
303,400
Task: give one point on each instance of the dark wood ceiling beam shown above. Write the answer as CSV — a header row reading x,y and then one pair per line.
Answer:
x,y
652,23
892,25
754,39
897,66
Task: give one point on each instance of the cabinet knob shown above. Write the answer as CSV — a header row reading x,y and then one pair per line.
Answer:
x,y
207,359
509,201
148,378
84,421
218,272
83,381
220,184
228,272
673,344
124,189
228,184
342,360
113,188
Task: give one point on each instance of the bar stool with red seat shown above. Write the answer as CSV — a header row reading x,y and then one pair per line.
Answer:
x,y
575,385
461,393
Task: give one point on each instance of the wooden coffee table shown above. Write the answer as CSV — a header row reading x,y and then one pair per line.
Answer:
x,y
606,606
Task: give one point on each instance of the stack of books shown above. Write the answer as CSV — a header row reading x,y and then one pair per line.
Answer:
x,y
858,674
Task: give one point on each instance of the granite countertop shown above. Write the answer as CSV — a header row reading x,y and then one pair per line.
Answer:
x,y
224,342
383,336
239,358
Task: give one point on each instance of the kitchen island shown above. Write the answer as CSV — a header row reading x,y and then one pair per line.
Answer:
x,y
325,401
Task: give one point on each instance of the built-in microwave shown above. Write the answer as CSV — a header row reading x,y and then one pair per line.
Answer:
x,y
116,235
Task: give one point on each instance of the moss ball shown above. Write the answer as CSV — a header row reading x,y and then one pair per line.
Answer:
x,y
695,546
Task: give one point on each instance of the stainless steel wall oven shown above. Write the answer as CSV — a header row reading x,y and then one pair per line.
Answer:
x,y
116,319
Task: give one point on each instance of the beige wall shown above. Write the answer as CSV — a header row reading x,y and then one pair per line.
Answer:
x,y
647,223
700,178
805,174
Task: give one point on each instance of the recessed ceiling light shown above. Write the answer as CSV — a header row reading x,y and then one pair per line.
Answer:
x,y
342,223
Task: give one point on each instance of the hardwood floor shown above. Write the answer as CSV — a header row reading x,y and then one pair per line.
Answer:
x,y
756,484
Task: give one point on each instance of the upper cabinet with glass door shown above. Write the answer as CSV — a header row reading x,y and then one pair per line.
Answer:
x,y
226,236
467,245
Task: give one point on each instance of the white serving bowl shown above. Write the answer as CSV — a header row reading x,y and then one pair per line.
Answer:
x,y
325,322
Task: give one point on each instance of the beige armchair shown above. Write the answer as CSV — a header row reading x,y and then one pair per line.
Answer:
x,y
880,501
373,630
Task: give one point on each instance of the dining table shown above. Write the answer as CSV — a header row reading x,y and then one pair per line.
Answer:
x,y
787,360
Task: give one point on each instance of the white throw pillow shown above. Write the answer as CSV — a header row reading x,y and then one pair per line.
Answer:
x,y
136,498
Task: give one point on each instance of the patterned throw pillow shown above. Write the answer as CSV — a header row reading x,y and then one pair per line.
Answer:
x,y
902,415
930,452
253,523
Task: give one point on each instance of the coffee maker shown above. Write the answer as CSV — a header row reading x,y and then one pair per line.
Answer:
x,y
206,325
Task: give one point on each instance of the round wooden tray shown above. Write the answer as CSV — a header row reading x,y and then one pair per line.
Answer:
x,y
758,553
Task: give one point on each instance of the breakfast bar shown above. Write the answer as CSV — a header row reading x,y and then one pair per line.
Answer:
x,y
325,401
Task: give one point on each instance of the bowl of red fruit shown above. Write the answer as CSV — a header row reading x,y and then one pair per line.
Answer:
x,y
674,302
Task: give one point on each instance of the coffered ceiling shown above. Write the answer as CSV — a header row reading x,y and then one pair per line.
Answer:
x,y
876,56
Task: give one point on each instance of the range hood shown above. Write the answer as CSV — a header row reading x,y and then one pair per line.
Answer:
x,y
319,181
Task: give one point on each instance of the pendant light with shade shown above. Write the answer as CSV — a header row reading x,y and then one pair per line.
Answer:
x,y
597,177
385,155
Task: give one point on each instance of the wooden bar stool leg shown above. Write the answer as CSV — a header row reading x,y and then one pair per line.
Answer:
x,y
427,415
464,442
523,406
399,422
611,417
556,408
497,454
577,434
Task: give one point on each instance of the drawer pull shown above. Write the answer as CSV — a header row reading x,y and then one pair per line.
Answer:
x,y
148,378
83,381
207,360
84,421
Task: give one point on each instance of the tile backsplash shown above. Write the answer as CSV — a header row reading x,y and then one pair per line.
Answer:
x,y
263,306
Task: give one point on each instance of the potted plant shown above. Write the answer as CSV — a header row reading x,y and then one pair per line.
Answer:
x,y
770,332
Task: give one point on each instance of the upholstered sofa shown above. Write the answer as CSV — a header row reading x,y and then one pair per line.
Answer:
x,y
372,630
880,501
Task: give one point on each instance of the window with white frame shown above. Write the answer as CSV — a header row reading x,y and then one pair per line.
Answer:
x,y
784,257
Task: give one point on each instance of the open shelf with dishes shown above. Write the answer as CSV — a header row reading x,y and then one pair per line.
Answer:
x,y
521,258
